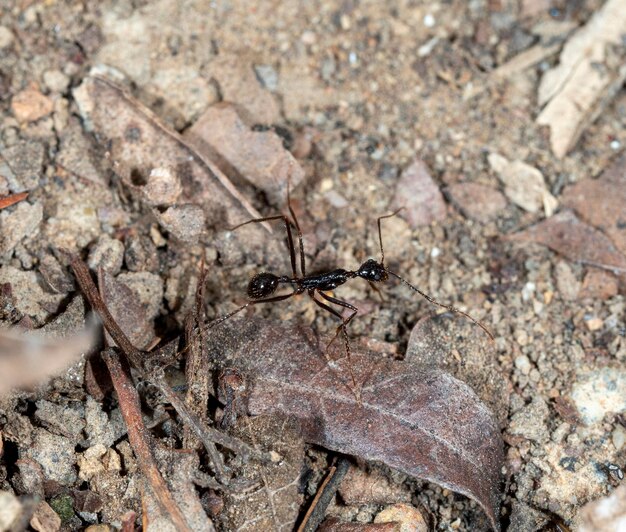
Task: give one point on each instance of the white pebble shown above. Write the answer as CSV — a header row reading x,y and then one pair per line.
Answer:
x,y
429,20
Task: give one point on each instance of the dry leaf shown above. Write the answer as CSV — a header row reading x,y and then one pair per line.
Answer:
x,y
602,202
477,202
566,234
256,156
422,422
586,78
418,193
524,185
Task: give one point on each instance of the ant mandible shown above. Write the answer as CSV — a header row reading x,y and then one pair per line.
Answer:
x,y
264,284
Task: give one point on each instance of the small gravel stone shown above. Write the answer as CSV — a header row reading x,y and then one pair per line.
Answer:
x,y
618,437
409,517
163,187
45,519
530,421
108,254
594,324
268,76
566,281
598,392
55,454
6,37
523,364
17,223
10,509
56,81
185,222
30,105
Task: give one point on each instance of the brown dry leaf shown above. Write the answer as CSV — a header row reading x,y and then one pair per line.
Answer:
x,y
602,202
140,142
418,193
455,345
422,422
586,78
477,202
28,358
256,156
568,235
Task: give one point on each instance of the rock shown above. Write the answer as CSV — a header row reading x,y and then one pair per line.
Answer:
x,y
598,392
60,419
108,254
30,105
268,76
566,282
477,202
55,454
530,421
56,276
522,363
360,487
10,510
148,289
163,187
409,517
45,519
6,37
56,81
523,184
419,194
22,165
141,253
17,223
618,437
33,301
185,222
96,460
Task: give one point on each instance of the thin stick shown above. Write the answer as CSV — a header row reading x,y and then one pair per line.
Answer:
x,y
139,437
317,511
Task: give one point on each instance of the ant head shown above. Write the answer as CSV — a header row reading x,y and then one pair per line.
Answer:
x,y
373,271
262,285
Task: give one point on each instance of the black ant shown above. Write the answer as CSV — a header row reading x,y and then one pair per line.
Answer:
x,y
264,284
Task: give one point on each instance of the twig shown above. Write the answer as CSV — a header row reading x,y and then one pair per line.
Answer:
x,y
138,436
155,376
7,201
317,511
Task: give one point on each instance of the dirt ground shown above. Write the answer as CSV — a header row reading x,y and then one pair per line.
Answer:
x,y
143,131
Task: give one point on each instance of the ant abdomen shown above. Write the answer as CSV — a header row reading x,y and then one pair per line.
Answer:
x,y
262,285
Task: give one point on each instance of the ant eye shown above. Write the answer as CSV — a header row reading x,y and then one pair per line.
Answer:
x,y
262,285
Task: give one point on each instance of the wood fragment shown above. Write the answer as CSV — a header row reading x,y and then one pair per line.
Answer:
x,y
590,72
325,493
7,201
139,437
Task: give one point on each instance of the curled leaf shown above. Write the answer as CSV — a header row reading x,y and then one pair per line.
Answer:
x,y
422,422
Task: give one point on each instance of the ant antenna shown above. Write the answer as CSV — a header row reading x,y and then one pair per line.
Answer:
x,y
424,295
380,234
449,307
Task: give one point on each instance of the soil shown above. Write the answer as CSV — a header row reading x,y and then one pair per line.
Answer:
x,y
370,102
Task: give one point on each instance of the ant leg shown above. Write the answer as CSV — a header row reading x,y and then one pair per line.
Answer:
x,y
377,290
443,305
292,251
341,327
295,221
344,326
380,234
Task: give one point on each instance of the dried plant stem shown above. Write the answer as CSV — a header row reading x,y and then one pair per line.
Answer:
x,y
139,437
7,201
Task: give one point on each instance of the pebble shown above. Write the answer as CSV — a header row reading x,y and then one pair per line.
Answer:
x,y
30,105
618,437
409,517
6,37
594,324
566,282
268,76
56,81
55,454
163,187
18,223
185,222
522,363
530,421
477,202
107,253
45,519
